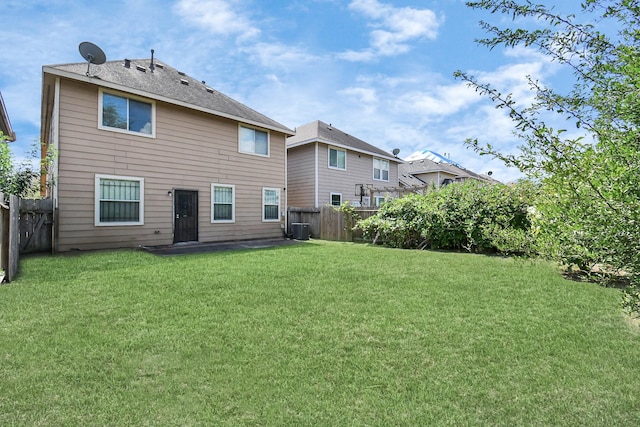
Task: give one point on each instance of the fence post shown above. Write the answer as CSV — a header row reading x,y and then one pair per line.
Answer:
x,y
14,232
4,236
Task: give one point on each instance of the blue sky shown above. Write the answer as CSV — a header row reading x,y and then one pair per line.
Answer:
x,y
381,70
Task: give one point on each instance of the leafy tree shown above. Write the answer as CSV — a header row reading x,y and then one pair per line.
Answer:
x,y
589,209
21,180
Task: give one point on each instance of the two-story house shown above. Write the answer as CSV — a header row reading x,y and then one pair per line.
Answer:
x,y
328,166
146,156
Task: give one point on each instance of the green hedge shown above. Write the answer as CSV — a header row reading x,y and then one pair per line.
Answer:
x,y
470,216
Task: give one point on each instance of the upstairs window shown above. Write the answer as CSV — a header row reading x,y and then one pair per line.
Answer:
x,y
253,141
337,158
119,200
124,114
380,169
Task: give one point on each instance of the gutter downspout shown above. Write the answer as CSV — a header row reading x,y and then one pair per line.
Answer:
x,y
316,177
286,185
55,136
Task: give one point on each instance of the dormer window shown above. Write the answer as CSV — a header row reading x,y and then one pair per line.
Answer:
x,y
126,114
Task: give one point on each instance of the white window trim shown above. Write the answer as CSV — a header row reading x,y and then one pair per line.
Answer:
x,y
329,158
233,204
374,169
331,198
126,131
253,153
376,200
264,189
96,197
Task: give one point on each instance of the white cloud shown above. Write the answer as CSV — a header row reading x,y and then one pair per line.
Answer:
x,y
364,55
279,56
394,29
361,94
365,98
437,101
218,17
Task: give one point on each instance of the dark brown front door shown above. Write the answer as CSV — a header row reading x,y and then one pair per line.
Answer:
x,y
185,206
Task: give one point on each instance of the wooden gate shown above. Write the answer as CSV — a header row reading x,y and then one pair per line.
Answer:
x,y
25,226
36,223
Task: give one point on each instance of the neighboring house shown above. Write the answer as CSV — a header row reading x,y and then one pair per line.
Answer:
x,y
327,166
5,124
147,155
427,168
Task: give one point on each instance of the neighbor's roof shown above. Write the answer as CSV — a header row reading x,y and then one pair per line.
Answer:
x,y
319,131
423,166
416,167
408,180
431,155
167,84
5,124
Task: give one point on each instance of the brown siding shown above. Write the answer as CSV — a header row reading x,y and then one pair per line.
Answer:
x,y
191,151
359,171
301,176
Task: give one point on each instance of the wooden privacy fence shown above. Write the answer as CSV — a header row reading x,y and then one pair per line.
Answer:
x,y
310,216
25,226
328,223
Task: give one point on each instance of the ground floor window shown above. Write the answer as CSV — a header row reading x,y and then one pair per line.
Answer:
x,y
119,200
223,203
271,204
379,200
336,199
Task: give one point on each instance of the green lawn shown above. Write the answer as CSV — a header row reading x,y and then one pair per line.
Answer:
x,y
318,333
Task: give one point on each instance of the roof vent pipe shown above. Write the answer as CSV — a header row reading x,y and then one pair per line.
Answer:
x,y
151,66
127,63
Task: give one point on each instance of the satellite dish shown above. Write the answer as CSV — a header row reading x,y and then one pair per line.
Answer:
x,y
92,54
396,151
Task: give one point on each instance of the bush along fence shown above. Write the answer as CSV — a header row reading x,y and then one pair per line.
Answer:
x,y
472,216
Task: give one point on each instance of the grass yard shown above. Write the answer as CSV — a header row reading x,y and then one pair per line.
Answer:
x,y
318,333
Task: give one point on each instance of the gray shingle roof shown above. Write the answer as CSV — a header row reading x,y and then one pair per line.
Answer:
x,y
426,166
328,134
416,167
167,84
408,180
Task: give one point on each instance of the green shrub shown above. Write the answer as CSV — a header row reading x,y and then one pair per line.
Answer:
x,y
470,216
631,300
397,223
